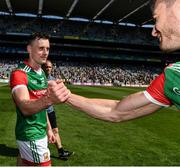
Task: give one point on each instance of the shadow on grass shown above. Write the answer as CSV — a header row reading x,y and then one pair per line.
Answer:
x,y
8,151
55,157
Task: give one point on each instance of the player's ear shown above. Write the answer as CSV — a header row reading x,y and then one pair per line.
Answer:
x,y
29,49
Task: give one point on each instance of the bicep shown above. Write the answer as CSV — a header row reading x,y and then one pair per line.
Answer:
x,y
18,83
134,106
20,95
141,111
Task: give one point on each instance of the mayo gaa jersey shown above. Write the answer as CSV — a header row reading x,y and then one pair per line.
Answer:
x,y
30,127
165,89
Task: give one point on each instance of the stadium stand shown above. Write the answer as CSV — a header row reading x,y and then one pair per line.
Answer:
x,y
80,43
87,51
105,73
76,29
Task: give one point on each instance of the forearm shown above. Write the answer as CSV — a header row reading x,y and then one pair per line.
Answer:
x,y
32,106
48,123
51,137
97,108
56,93
133,106
134,113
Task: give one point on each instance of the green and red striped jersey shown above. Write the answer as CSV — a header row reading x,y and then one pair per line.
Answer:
x,y
165,89
30,127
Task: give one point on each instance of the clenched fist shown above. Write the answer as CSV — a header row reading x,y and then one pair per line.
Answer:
x,y
57,92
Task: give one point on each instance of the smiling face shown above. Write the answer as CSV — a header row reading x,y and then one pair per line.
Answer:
x,y
167,26
38,52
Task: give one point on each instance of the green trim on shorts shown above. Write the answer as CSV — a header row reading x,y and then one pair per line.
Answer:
x,y
34,151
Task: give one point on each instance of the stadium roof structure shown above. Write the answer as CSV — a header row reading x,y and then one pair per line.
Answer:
x,y
136,12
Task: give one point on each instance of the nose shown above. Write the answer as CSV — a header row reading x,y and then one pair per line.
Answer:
x,y
154,32
45,51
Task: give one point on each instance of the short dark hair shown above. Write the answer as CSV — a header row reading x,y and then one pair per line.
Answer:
x,y
37,35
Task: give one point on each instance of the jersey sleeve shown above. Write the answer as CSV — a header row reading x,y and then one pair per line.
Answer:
x,y
155,92
18,77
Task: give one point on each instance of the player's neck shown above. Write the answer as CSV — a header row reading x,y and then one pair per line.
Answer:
x,y
34,65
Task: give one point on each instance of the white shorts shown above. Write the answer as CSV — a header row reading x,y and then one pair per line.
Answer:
x,y
36,151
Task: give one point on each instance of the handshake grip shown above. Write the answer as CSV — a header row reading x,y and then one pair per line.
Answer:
x,y
57,92
51,83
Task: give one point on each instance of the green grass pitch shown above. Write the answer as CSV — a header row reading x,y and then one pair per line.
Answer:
x,y
152,140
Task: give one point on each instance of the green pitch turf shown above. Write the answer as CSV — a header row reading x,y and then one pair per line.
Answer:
x,y
152,140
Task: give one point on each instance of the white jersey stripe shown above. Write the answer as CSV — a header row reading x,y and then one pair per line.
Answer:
x,y
150,98
27,69
16,87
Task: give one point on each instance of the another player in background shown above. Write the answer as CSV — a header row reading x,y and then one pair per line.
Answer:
x,y
32,95
63,154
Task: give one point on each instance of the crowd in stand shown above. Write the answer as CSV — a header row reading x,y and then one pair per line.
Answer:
x,y
104,74
6,66
99,73
65,28
95,73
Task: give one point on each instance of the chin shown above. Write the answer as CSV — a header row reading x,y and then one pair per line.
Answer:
x,y
43,62
167,48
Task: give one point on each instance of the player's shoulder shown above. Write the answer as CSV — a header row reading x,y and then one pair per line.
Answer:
x,y
19,69
173,67
24,67
18,75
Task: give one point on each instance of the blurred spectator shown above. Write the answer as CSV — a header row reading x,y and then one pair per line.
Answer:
x,y
103,73
96,73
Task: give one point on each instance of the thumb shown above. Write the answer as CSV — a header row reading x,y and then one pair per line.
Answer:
x,y
51,83
59,81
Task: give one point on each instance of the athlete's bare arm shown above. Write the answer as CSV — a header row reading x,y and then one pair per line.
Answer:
x,y
50,134
131,107
56,94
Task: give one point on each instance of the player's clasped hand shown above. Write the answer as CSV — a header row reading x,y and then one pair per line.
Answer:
x,y
57,92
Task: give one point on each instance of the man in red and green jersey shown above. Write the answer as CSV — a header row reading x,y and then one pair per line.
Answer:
x,y
162,92
32,95
36,84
